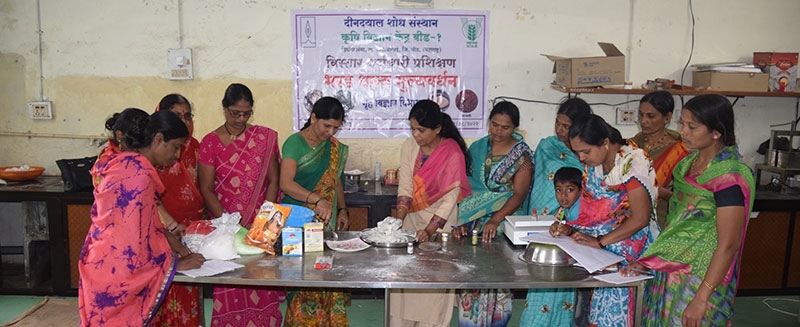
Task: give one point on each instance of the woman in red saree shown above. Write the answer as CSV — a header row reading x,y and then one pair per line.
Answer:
x,y
126,263
183,202
239,169
664,146
433,180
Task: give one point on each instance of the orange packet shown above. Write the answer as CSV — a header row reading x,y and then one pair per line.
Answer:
x,y
267,226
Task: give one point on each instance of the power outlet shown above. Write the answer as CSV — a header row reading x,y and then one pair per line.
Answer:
x,y
626,116
179,64
40,110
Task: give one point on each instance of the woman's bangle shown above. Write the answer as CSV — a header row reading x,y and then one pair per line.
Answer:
x,y
345,211
308,196
707,284
320,199
600,241
171,227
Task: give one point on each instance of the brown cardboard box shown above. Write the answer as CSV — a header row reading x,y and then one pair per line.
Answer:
x,y
730,81
782,69
590,71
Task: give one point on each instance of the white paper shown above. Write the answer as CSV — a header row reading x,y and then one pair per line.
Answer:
x,y
590,258
211,268
616,278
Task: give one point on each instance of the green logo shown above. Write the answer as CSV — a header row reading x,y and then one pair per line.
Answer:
x,y
472,29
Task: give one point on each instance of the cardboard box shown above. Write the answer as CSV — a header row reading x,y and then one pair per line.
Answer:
x,y
313,237
781,67
590,71
292,239
730,81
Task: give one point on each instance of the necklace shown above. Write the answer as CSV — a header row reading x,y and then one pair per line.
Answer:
x,y
649,146
693,168
231,134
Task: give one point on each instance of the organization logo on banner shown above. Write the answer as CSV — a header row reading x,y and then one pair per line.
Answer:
x,y
472,29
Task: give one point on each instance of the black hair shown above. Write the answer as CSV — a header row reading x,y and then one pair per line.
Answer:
x,y
170,100
569,175
506,108
428,114
574,108
661,100
235,93
130,119
326,108
715,112
165,122
593,130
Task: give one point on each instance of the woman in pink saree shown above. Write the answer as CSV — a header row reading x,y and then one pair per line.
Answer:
x,y
126,263
239,169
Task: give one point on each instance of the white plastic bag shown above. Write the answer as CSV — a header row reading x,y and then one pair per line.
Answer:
x,y
219,243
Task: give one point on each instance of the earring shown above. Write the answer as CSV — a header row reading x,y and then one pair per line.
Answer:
x,y
716,137
606,146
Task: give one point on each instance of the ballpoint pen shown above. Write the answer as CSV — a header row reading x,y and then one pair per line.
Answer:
x,y
560,219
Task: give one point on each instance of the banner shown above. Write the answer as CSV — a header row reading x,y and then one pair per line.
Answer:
x,y
380,63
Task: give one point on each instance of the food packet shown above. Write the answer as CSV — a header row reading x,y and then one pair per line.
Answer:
x,y
267,226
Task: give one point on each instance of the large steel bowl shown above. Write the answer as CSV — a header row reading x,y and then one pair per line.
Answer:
x,y
546,254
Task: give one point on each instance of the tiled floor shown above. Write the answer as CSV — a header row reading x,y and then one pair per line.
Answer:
x,y
750,311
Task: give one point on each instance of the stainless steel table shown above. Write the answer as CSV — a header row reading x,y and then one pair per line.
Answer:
x,y
457,265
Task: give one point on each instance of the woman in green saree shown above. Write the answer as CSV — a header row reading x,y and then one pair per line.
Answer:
x,y
501,180
311,176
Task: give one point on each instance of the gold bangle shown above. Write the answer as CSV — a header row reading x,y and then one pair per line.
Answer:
x,y
707,284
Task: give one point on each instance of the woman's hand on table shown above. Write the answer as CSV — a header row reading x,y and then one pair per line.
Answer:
x,y
191,261
634,269
489,231
424,235
323,210
584,239
460,231
558,228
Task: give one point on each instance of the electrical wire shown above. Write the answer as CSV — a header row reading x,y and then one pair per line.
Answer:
x,y
766,302
691,49
505,97
41,61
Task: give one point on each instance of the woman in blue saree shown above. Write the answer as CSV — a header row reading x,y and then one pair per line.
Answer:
x,y
501,180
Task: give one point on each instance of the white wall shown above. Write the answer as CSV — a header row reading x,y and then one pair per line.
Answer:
x,y
102,56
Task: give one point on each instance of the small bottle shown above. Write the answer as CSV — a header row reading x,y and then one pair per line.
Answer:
x,y
535,216
474,237
378,171
410,248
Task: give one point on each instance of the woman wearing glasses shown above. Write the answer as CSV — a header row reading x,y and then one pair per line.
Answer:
x,y
239,169
184,204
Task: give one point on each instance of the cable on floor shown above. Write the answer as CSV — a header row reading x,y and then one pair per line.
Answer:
x,y
766,302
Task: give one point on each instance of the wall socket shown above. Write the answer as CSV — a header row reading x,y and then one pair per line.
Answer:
x,y
40,110
626,116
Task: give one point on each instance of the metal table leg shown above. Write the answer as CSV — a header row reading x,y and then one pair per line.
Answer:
x,y
386,305
639,310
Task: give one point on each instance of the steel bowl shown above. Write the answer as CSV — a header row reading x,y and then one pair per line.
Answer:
x,y
546,254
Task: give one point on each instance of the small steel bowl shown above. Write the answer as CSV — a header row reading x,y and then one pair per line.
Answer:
x,y
546,254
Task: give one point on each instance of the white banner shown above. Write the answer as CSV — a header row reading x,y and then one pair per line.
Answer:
x,y
379,63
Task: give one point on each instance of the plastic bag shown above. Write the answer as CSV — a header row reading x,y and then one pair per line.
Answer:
x,y
214,238
243,248
267,226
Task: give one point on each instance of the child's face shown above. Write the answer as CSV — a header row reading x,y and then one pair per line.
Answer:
x,y
567,193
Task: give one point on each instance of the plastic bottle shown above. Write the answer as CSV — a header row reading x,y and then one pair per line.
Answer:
x,y
378,171
474,237
410,248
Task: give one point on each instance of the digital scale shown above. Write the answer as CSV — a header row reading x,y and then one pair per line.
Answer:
x,y
517,227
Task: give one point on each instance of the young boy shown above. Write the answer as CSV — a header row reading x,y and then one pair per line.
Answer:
x,y
567,182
